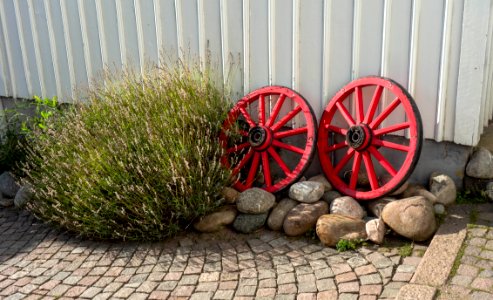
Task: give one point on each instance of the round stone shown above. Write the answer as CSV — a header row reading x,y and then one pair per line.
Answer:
x,y
255,201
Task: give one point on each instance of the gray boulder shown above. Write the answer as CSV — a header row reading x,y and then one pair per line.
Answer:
x,y
278,214
375,230
347,206
330,196
439,209
376,206
443,187
247,223
230,195
303,217
306,191
217,220
23,196
8,186
255,201
481,164
417,190
321,178
413,218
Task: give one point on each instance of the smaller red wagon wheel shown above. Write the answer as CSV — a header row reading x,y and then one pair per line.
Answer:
x,y
352,141
269,139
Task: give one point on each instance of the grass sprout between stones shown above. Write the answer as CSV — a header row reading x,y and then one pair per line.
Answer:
x,y
139,160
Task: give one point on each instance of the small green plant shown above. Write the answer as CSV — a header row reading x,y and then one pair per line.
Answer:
x,y
45,109
406,250
469,197
138,161
346,245
19,122
457,260
473,216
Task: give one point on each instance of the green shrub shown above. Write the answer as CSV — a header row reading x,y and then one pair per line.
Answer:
x,y
19,122
138,161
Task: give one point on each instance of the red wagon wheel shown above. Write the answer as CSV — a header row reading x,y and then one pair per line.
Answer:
x,y
269,138
350,137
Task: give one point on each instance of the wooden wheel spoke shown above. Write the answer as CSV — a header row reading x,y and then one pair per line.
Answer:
x,y
370,170
261,110
276,110
336,129
253,170
386,112
391,129
360,114
335,147
243,161
344,160
355,171
283,134
286,119
247,116
237,148
383,161
266,169
387,144
345,113
279,161
291,148
373,104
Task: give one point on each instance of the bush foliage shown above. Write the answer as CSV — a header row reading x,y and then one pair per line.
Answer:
x,y
138,161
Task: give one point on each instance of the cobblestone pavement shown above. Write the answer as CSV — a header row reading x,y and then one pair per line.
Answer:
x,y
37,261
472,274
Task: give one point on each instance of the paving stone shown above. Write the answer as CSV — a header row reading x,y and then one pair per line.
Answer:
x,y
406,277
324,273
75,291
357,261
462,280
472,250
306,296
348,296
326,284
289,288
370,279
248,290
91,292
486,254
345,277
183,291
467,270
59,290
372,289
340,268
224,294
364,270
485,284
348,287
332,294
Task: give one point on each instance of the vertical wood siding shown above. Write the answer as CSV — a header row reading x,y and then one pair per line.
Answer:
x,y
439,50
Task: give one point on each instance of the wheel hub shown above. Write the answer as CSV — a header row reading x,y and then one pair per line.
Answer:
x,y
259,137
358,136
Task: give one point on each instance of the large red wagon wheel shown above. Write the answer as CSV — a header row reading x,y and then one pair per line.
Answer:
x,y
354,143
269,138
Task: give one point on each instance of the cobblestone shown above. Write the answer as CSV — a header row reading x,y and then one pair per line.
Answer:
x,y
473,278
266,265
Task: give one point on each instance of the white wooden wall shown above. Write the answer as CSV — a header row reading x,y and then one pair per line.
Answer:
x,y
438,49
